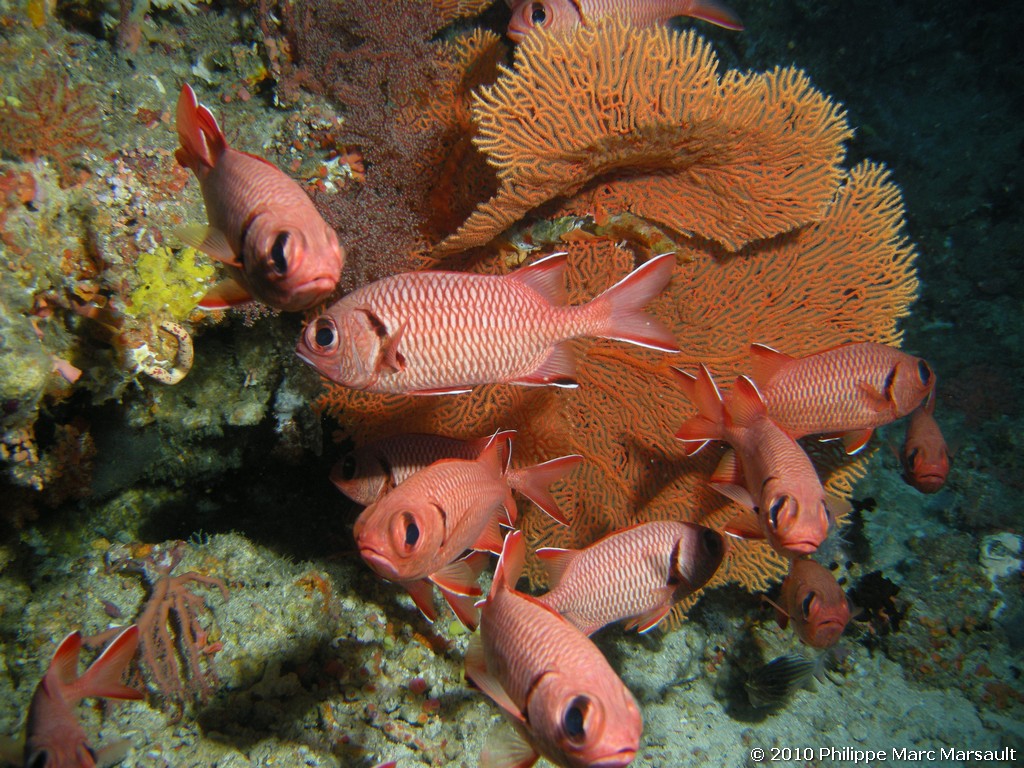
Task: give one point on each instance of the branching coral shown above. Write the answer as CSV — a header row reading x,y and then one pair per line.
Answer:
x,y
175,647
52,118
846,276
641,118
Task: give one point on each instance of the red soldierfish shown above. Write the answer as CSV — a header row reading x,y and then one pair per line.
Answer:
x,y
562,16
263,227
815,602
54,738
772,475
637,573
444,332
925,457
416,534
847,390
368,472
564,700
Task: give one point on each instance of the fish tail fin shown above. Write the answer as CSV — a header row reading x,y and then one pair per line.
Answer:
x,y
103,677
715,12
708,424
624,304
533,482
510,564
202,140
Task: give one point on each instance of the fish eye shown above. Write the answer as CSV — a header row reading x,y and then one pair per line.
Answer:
x,y
924,372
805,606
712,542
348,467
537,14
775,508
412,531
39,759
324,337
574,717
277,255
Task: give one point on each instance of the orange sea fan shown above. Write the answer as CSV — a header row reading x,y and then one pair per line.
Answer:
x,y
732,159
848,277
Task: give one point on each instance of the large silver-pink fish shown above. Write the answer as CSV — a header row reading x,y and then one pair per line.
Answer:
x,y
637,573
444,332
53,736
562,16
561,695
417,534
370,471
768,471
263,227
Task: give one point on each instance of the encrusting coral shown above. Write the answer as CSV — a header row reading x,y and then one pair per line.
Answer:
x,y
816,260
733,158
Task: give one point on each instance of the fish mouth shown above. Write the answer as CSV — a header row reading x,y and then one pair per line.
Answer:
x,y
379,563
805,547
620,759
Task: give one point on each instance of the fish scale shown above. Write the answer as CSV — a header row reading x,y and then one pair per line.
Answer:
x,y
538,667
831,391
631,573
437,332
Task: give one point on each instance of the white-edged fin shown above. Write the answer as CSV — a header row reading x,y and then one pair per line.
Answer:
x,y
422,593
650,620
103,677
461,576
744,526
555,560
737,493
464,608
855,440
745,405
210,241
505,747
729,472
766,362
546,277
224,295
476,672
623,305
510,564
557,370
443,391
533,482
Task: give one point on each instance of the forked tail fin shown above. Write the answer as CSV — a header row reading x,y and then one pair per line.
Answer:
x,y
625,302
202,140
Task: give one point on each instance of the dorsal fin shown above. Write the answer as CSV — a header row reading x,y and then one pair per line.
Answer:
x,y
510,564
546,277
766,362
745,404
555,560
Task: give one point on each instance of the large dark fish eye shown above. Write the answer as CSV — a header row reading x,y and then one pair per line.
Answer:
x,y
774,509
348,467
712,542
39,759
277,255
324,335
572,720
537,14
924,372
412,533
805,606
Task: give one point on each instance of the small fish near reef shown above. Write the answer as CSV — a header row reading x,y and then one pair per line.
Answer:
x,y
416,534
773,683
438,332
812,598
924,456
564,700
262,226
847,390
562,16
767,470
637,573
53,736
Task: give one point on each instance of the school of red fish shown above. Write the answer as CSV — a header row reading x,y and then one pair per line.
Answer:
x,y
437,507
